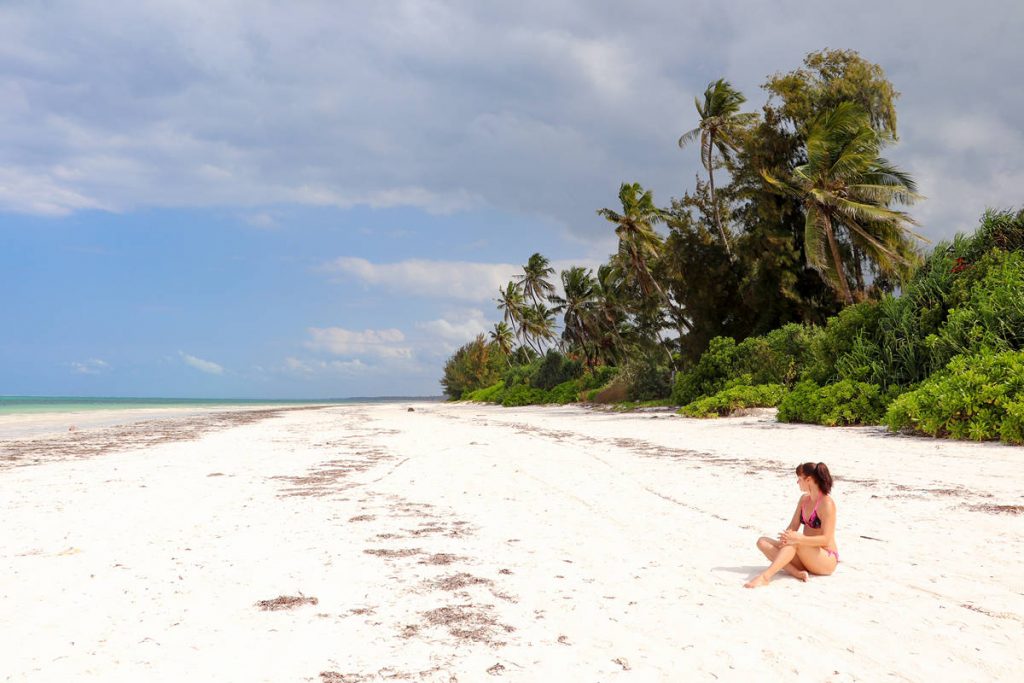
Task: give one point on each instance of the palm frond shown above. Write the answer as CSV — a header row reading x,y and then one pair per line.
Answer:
x,y
817,250
689,136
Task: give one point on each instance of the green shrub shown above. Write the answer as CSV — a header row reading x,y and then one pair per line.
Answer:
x,y
566,392
978,396
989,311
473,366
521,374
1012,429
645,380
710,373
554,369
1003,230
844,403
842,333
598,377
777,357
522,395
728,401
489,394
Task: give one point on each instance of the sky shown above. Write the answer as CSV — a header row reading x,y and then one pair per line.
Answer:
x,y
251,199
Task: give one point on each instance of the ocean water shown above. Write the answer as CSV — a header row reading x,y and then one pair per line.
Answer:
x,y
22,405
29,416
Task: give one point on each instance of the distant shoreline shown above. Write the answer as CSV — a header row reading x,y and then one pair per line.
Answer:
x,y
20,405
49,419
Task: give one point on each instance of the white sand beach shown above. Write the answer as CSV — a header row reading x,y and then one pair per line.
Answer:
x,y
461,542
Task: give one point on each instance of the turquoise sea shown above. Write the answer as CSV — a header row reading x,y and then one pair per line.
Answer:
x,y
21,405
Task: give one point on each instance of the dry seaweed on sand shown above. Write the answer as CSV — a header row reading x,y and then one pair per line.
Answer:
x,y
386,552
335,677
460,580
466,622
286,602
441,558
998,509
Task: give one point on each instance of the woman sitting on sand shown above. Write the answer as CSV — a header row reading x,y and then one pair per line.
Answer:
x,y
814,550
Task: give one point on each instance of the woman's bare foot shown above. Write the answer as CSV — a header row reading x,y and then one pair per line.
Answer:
x,y
796,573
756,582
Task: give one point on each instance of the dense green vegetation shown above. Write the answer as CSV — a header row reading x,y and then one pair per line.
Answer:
x,y
791,278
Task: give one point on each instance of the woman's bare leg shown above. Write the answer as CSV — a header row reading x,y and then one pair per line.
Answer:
x,y
770,548
783,556
816,559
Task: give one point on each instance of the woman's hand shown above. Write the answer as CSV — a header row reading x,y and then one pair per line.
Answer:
x,y
789,537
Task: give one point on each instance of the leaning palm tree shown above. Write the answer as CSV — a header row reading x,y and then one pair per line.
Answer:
x,y
539,325
576,308
638,242
845,184
512,303
534,278
720,125
609,313
639,245
502,337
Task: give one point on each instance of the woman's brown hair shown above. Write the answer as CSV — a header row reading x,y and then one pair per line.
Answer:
x,y
819,472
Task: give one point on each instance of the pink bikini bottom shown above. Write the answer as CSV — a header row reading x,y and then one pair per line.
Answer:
x,y
833,553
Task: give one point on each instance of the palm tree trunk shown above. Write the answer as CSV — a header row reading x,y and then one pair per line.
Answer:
x,y
833,245
858,271
668,352
714,199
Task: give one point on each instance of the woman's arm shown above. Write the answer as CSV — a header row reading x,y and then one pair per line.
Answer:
x,y
827,514
794,523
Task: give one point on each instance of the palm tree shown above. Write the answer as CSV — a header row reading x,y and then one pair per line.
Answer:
x,y
609,312
511,301
638,245
534,278
576,307
718,130
502,336
846,184
638,242
539,324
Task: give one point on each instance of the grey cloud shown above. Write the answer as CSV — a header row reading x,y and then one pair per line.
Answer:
x,y
532,107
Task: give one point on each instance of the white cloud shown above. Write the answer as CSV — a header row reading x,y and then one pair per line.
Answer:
x,y
431,202
41,193
453,280
260,220
531,107
93,366
315,366
461,280
386,343
206,366
454,329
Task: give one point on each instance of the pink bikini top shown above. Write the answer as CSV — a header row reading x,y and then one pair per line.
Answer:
x,y
813,521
